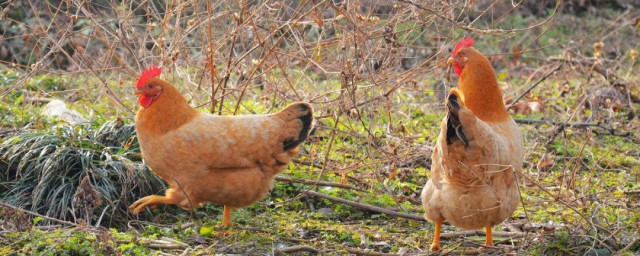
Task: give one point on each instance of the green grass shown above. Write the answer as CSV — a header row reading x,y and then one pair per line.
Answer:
x,y
588,196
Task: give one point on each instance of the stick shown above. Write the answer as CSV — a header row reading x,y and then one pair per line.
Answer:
x,y
562,124
296,248
368,252
316,182
534,85
366,206
609,76
628,247
39,215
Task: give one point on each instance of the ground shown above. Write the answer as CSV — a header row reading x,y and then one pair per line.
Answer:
x,y
377,122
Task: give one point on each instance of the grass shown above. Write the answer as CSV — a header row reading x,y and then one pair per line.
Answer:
x,y
43,169
375,136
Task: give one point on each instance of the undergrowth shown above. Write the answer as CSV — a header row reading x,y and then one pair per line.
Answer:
x,y
374,75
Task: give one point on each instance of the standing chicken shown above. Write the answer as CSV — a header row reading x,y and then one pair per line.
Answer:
x,y
228,160
472,183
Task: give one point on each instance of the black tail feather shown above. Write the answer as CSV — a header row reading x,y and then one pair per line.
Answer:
x,y
307,120
454,127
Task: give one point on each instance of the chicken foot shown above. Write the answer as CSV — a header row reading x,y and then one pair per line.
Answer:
x,y
488,236
152,201
435,245
226,216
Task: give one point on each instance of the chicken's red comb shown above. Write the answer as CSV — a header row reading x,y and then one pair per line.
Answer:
x,y
147,74
464,42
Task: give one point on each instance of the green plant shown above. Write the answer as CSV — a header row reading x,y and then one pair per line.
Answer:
x,y
44,169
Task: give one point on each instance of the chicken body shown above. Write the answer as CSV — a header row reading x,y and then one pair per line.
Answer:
x,y
473,186
479,148
228,160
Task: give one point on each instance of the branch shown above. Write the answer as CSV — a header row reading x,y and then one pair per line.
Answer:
x,y
39,215
469,28
366,206
316,182
296,248
563,124
534,86
162,243
368,252
592,63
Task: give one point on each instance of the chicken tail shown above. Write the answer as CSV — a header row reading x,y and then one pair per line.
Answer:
x,y
297,111
454,126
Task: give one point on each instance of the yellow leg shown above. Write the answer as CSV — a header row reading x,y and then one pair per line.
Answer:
x,y
152,201
489,237
435,245
226,216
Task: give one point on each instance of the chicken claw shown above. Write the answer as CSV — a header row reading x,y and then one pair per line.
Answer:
x,y
151,201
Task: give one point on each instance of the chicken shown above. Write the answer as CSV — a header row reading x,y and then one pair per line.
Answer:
x,y
227,160
479,148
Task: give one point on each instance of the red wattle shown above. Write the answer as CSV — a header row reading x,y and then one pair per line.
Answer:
x,y
457,69
144,100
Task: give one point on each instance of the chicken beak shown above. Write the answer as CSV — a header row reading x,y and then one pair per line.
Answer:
x,y
137,92
451,61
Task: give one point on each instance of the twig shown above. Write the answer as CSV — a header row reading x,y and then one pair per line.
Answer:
x,y
609,76
164,238
366,206
39,215
369,252
628,247
316,182
295,248
461,252
469,28
563,124
153,245
534,85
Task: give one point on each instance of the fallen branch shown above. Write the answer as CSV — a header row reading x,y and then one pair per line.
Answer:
x,y
163,243
316,182
461,252
628,247
611,131
39,215
366,206
296,248
368,252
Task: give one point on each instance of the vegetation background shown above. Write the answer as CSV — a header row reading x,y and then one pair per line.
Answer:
x,y
374,71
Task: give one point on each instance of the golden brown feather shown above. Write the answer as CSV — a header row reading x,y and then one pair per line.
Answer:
x,y
228,160
472,183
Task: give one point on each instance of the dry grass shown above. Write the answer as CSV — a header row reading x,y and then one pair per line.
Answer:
x,y
374,72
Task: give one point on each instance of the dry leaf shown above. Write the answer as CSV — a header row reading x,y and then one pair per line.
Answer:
x,y
545,164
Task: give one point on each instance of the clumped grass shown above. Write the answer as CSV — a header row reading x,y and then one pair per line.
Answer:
x,y
42,170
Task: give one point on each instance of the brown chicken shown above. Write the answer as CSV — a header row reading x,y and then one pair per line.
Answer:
x,y
472,183
228,160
